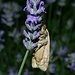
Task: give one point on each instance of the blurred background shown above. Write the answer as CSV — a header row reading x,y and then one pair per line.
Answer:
x,y
60,21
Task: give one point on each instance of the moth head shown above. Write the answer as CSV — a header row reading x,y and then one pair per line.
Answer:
x,y
44,27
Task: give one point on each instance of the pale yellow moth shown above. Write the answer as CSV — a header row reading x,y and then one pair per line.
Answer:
x,y
41,55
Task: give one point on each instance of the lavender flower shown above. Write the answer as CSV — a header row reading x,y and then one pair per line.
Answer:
x,y
15,34
31,7
52,67
66,59
1,39
27,72
10,12
11,72
7,17
16,9
62,50
70,60
34,8
1,34
71,57
72,66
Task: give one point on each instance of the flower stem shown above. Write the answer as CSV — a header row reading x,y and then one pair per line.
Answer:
x,y
23,62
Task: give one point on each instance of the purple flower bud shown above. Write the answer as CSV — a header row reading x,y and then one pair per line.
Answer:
x,y
71,57
52,68
12,72
8,23
36,35
27,72
62,51
6,16
72,66
1,34
36,2
29,45
32,27
41,8
37,27
33,23
26,34
33,19
32,10
66,59
15,34
10,10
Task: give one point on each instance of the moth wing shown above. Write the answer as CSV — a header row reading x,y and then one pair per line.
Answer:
x,y
37,57
34,65
43,65
39,54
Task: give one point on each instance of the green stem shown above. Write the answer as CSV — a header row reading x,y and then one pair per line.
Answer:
x,y
23,62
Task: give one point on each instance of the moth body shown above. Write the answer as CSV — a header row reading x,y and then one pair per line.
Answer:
x,y
40,58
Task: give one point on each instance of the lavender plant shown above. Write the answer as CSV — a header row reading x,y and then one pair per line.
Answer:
x,y
60,20
62,51
15,34
52,68
11,72
10,10
70,60
33,23
27,72
34,9
1,40
1,34
7,17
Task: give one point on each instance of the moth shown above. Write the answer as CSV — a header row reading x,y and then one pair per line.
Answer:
x,y
41,55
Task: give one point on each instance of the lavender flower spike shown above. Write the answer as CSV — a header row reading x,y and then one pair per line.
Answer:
x,y
34,9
